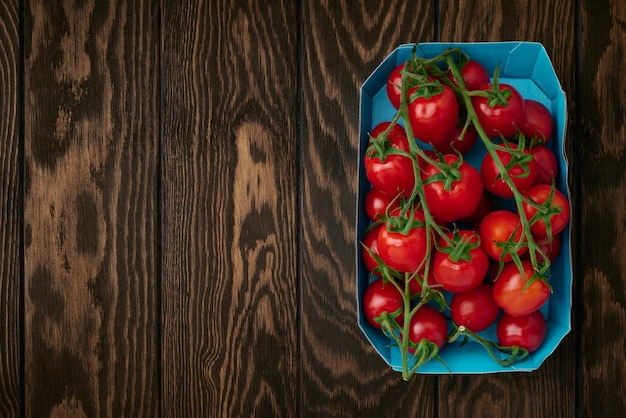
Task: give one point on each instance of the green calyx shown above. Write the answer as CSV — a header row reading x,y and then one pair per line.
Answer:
x,y
459,247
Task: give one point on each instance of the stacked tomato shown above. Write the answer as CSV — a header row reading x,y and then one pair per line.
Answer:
x,y
452,248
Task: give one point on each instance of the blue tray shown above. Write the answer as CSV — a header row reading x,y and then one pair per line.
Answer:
x,y
527,67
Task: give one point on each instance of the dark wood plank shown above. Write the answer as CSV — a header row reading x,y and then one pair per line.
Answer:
x,y
230,230
343,42
602,98
11,183
91,141
549,391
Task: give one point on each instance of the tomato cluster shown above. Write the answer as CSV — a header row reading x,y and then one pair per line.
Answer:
x,y
455,249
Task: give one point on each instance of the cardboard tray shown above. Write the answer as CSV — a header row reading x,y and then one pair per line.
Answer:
x,y
527,67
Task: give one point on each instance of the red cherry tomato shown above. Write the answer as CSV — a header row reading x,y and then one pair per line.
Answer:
x,y
396,130
377,204
394,86
415,286
430,324
550,248
484,207
522,173
404,252
512,295
450,200
527,331
496,228
457,144
547,166
380,297
475,308
465,273
433,118
537,122
391,174
500,120
474,75
559,210
370,240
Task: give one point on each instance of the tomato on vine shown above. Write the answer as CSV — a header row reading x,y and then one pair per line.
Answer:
x,y
519,165
428,323
475,308
500,114
370,242
526,331
402,241
459,142
416,281
474,75
394,86
547,166
459,263
433,112
556,206
537,122
484,207
452,188
501,231
389,172
381,297
377,204
549,248
520,292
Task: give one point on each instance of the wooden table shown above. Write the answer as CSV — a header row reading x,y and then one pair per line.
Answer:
x,y
178,187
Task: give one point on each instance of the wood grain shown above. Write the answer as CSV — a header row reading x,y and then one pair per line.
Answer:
x,y
11,219
91,279
553,385
343,42
602,129
177,208
229,150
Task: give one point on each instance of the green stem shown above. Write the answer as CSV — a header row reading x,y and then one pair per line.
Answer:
x,y
514,353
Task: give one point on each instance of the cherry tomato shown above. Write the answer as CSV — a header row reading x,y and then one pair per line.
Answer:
x,y
396,130
496,228
370,240
404,253
509,292
415,286
484,207
500,120
559,208
455,143
527,331
430,324
537,122
433,118
380,297
522,173
475,308
392,174
474,75
550,248
459,198
377,204
394,86
464,273
547,166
